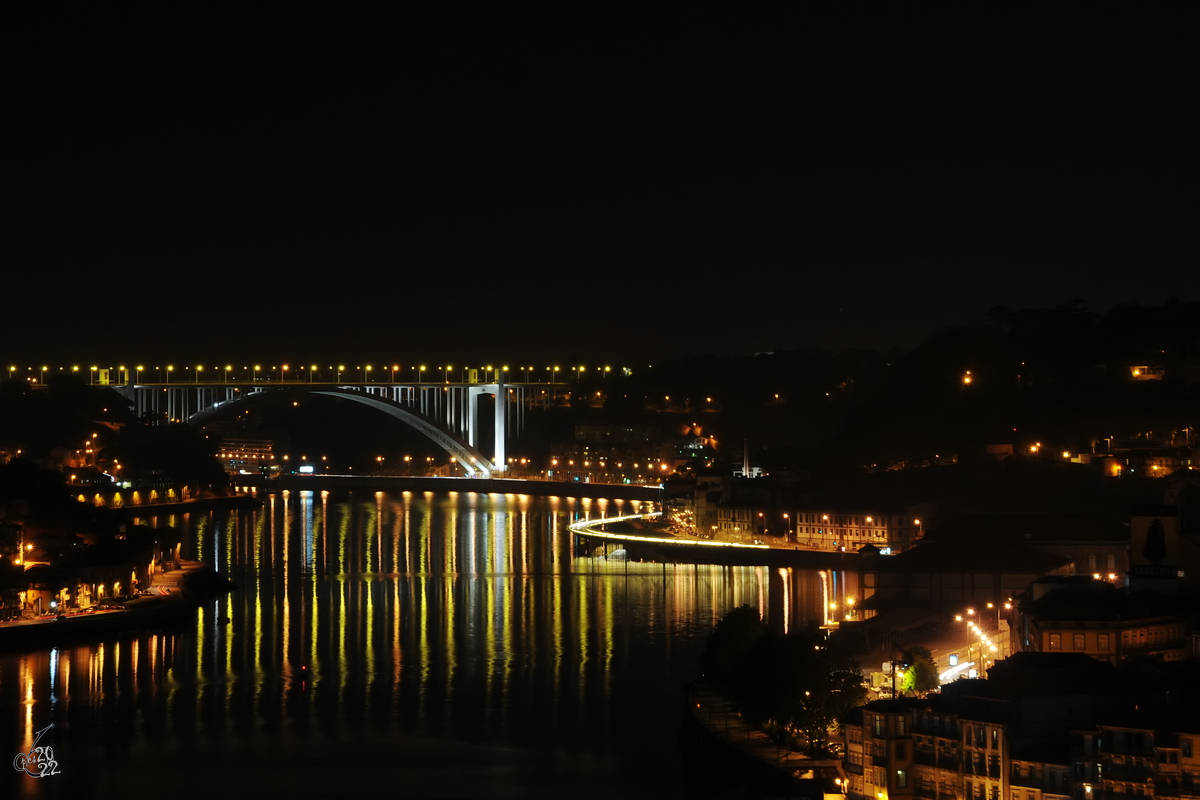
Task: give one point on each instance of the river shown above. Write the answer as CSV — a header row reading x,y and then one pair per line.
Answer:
x,y
400,644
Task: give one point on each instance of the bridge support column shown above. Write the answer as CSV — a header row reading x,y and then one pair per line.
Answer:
x,y
500,416
501,426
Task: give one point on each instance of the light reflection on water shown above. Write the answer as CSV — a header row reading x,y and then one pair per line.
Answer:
x,y
452,642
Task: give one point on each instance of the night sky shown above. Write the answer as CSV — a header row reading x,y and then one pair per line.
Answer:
x,y
615,185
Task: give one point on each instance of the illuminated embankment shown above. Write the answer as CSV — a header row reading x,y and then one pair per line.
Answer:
x,y
587,527
643,547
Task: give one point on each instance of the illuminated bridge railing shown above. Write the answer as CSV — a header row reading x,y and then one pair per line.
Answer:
x,y
292,375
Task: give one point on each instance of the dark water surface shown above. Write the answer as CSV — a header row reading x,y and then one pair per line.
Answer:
x,y
401,645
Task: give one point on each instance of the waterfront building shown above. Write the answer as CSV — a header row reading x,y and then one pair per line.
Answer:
x,y
1084,615
954,573
1041,772
757,508
245,455
1095,544
1007,738
884,730
937,750
628,454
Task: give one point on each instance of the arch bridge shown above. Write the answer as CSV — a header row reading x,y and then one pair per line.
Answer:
x,y
447,412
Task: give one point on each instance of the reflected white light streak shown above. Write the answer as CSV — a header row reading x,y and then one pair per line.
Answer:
x,y
586,527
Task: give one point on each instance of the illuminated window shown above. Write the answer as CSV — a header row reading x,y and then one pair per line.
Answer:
x,y
1055,641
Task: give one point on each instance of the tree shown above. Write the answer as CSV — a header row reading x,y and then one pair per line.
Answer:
x,y
798,683
737,635
921,675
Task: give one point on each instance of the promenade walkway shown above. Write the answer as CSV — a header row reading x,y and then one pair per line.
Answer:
x,y
717,714
171,581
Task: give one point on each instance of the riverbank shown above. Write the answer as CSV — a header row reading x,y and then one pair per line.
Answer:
x,y
385,483
233,501
664,546
171,597
727,748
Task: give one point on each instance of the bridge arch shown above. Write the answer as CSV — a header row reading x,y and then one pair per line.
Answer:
x,y
452,444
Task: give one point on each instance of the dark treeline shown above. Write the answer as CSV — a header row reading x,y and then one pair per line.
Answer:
x,y
1059,376
69,421
796,685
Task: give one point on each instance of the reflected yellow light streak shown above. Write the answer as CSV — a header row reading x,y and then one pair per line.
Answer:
x,y
315,672
341,616
785,574
451,654
450,562
490,635
825,596
607,629
583,632
760,593
397,648
257,636
27,680
370,620
556,624
422,601
343,536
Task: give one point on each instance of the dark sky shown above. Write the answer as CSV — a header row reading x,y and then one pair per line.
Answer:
x,y
609,184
